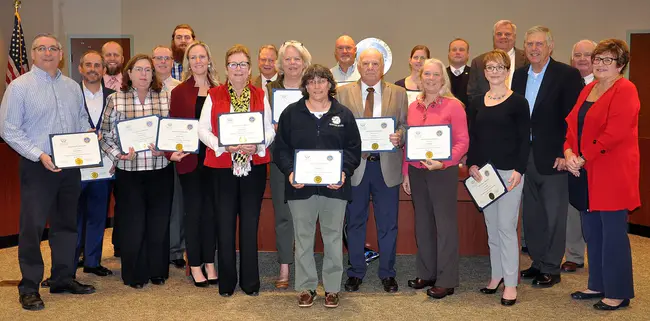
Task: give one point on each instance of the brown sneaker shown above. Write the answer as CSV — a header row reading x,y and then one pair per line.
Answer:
x,y
306,298
331,300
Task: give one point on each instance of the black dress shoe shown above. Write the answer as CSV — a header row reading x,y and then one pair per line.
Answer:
x,y
506,302
600,305
352,284
137,286
158,280
390,285
73,287
226,294
32,302
98,270
546,280
178,263
252,293
529,273
45,283
487,290
418,283
579,295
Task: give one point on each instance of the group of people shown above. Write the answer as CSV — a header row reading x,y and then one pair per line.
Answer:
x,y
555,134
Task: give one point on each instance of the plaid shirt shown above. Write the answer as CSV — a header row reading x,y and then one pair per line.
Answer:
x,y
126,105
177,71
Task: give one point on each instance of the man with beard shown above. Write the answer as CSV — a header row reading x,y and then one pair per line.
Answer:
x,y
114,59
345,52
182,36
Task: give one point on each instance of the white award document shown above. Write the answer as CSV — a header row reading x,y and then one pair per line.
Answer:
x,y
318,167
428,142
75,150
241,128
488,190
412,95
98,173
375,134
138,133
178,134
281,99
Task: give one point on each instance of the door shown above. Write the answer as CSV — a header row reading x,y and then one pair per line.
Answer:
x,y
80,44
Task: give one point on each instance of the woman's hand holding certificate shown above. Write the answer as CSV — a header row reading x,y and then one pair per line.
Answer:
x,y
75,150
428,142
241,129
318,168
137,133
178,134
484,185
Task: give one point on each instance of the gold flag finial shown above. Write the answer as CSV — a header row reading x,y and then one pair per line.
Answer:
x,y
17,4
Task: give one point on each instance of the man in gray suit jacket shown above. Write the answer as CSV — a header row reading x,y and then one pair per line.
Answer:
x,y
378,174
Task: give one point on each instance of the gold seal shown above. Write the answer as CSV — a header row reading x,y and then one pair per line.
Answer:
x,y
491,196
375,146
78,161
429,155
318,179
94,175
242,139
179,147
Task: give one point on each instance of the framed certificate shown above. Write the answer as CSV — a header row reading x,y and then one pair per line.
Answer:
x,y
317,167
75,150
283,98
375,134
488,190
241,128
98,173
412,95
178,134
138,133
428,142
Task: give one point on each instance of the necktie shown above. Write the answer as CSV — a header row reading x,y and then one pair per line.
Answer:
x,y
268,81
370,103
112,83
457,72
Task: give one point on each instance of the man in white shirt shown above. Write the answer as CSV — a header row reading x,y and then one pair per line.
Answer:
x,y
162,63
266,59
114,58
458,71
345,52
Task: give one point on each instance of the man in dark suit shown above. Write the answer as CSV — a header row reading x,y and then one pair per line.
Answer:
x,y
551,89
458,70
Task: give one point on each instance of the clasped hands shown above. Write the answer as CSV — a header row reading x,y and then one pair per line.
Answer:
x,y
573,163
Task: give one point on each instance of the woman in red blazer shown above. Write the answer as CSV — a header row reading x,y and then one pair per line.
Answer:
x,y
602,143
187,102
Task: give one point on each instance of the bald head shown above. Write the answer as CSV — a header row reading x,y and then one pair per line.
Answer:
x,y
371,66
345,51
581,56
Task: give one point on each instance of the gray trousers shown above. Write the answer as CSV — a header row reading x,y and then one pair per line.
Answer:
x,y
501,219
283,220
330,212
176,227
575,243
546,200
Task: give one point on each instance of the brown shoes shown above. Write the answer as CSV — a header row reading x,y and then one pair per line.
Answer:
x,y
569,266
331,300
439,293
306,298
418,283
282,284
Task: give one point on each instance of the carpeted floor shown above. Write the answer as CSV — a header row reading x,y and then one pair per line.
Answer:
x,y
178,299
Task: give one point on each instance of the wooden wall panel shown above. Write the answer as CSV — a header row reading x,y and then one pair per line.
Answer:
x,y
9,191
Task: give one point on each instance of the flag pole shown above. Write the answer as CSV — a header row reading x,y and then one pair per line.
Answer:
x,y
17,4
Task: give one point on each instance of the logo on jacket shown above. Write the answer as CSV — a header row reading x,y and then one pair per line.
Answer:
x,y
336,121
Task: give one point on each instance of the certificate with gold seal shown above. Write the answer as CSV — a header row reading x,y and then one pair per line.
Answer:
x,y
98,173
317,167
428,142
241,128
178,134
488,190
375,134
138,133
75,150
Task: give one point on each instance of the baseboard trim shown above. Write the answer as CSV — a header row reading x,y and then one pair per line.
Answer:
x,y
640,230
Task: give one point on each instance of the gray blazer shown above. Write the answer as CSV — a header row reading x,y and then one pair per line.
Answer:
x,y
478,85
394,103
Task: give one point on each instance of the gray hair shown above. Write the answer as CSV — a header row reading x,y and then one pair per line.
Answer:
x,y
545,30
573,50
304,54
505,22
46,35
445,89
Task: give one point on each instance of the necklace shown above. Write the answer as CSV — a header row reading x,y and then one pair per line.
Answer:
x,y
495,97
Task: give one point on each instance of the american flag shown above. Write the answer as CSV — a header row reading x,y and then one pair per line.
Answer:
x,y
17,63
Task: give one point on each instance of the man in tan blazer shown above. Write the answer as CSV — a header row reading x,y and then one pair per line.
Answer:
x,y
266,58
379,174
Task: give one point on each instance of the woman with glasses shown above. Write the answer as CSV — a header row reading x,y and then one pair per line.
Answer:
x,y
433,184
187,102
500,134
419,53
602,148
144,181
293,59
238,172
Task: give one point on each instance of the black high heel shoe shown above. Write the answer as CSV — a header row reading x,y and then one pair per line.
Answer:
x,y
202,284
506,302
491,291
210,281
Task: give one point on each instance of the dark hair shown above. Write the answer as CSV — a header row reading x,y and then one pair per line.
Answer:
x,y
319,71
420,47
126,80
183,26
498,56
81,60
459,39
617,48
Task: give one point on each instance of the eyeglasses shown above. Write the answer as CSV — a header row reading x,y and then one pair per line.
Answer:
x,y
140,70
498,68
317,81
162,58
52,49
242,65
605,60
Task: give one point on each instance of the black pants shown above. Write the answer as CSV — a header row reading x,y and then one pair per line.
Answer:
x,y
238,196
116,229
200,229
145,205
47,197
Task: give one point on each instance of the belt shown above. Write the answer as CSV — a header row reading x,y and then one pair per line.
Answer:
x,y
373,158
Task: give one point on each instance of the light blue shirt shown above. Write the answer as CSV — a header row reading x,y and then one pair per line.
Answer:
x,y
533,83
36,105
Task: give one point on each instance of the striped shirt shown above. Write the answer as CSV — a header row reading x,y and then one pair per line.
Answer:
x,y
126,105
36,105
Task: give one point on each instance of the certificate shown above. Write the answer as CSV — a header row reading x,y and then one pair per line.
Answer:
x,y
98,173
75,150
317,167
178,134
138,133
241,128
281,99
375,134
412,95
488,190
428,142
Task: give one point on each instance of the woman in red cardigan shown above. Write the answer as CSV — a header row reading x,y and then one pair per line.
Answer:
x,y
187,101
602,143
238,172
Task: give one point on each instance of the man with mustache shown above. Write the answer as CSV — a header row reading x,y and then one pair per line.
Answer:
x,y
266,58
114,59
345,52
182,36
458,70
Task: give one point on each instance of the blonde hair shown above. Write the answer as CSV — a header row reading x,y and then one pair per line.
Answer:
x,y
445,89
304,54
213,75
